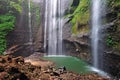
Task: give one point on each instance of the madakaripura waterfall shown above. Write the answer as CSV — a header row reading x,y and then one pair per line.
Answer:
x,y
54,12
60,39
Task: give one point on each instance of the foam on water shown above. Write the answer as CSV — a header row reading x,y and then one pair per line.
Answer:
x,y
98,71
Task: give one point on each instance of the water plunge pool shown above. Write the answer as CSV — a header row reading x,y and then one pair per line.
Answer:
x,y
71,63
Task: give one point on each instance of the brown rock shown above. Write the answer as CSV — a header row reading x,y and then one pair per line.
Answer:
x,y
3,75
18,60
45,77
12,70
2,60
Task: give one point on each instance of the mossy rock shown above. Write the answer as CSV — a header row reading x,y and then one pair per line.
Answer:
x,y
80,17
114,16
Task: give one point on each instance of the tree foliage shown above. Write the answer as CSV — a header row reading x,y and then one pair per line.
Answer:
x,y
8,11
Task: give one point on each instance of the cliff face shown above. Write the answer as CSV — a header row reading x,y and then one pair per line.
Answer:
x,y
20,35
18,39
79,17
113,17
77,27
112,54
78,40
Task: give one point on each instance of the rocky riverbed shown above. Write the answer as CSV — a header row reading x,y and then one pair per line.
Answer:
x,y
16,68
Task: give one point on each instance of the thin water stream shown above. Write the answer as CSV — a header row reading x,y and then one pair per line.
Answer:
x,y
98,7
29,22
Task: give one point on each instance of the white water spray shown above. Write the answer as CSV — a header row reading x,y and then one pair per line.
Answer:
x,y
53,26
97,9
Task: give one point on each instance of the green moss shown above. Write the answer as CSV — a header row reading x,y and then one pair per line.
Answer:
x,y
110,41
74,29
80,15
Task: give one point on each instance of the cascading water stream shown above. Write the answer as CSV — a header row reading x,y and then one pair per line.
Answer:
x,y
29,22
60,25
45,28
98,7
53,27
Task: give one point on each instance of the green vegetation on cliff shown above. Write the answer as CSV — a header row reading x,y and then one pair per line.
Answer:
x,y
80,16
35,10
6,25
113,16
8,11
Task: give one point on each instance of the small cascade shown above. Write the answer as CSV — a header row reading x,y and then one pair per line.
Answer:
x,y
98,7
60,26
29,22
53,26
46,22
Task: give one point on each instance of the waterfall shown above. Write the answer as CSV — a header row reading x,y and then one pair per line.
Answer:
x,y
98,7
53,26
29,22
45,28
